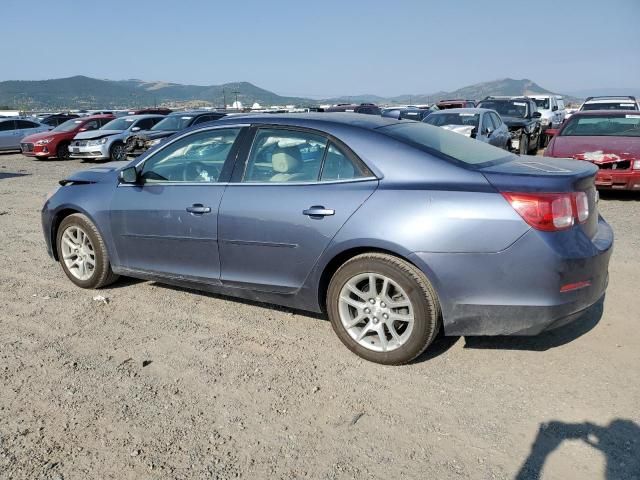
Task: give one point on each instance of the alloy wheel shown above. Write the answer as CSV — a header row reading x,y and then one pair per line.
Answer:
x,y
78,253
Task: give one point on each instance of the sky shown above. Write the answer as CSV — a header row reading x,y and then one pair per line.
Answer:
x,y
328,47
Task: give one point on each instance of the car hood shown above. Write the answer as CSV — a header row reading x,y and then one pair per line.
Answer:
x,y
515,121
597,150
461,129
153,134
96,134
100,174
34,137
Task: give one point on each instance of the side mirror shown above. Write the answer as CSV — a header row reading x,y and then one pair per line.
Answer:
x,y
474,132
135,129
554,108
536,115
129,175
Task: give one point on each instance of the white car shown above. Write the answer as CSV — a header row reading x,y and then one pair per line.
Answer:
x,y
610,103
552,109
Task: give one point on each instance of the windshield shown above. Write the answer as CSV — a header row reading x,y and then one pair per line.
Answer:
x,y
605,126
67,126
506,108
440,119
610,106
119,124
173,122
438,140
542,103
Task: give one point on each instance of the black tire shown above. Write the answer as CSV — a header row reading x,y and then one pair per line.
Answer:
x,y
524,145
423,299
62,152
102,274
117,152
533,149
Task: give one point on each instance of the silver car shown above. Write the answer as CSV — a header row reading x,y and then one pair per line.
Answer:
x,y
108,141
12,130
482,124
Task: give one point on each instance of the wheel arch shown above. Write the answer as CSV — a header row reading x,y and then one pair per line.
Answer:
x,y
339,258
57,219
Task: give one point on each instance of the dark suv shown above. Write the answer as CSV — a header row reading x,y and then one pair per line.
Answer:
x,y
174,122
368,108
521,116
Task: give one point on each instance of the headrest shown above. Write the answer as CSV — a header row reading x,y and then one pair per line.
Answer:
x,y
286,160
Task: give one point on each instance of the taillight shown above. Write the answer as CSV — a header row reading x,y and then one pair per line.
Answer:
x,y
550,211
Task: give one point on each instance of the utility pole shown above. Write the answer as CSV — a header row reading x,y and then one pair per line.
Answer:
x,y
224,99
236,93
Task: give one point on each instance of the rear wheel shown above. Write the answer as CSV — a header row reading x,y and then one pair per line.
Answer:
x,y
383,308
82,253
62,152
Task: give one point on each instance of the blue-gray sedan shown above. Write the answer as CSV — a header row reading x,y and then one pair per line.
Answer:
x,y
396,229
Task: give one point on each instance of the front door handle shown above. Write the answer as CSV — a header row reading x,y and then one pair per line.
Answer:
x,y
198,209
318,211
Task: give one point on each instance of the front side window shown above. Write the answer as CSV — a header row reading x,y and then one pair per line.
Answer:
x,y
487,124
542,103
195,158
25,124
603,125
279,155
119,124
67,126
496,119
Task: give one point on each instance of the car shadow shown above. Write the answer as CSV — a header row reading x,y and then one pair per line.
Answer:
x,y
623,195
619,442
546,340
244,301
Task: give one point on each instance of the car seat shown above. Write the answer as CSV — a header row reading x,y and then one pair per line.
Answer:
x,y
286,162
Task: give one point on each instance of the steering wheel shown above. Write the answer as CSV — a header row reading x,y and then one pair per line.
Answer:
x,y
192,172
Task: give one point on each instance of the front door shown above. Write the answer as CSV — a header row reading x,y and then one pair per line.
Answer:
x,y
168,223
296,191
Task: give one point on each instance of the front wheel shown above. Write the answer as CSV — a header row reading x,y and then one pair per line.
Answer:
x,y
524,145
383,308
118,152
82,253
62,152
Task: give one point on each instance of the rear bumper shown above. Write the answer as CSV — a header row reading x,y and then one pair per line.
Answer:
x,y
618,179
517,291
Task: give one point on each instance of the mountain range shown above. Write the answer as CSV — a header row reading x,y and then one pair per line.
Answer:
x,y
85,92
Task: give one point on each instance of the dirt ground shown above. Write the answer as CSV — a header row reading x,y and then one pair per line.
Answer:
x,y
162,382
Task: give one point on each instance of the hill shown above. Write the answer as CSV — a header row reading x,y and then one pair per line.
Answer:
x,y
86,92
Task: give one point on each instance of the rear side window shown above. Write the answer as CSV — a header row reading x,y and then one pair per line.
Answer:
x,y
6,126
280,155
437,140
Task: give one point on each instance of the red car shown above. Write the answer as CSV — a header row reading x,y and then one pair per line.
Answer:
x,y
55,143
610,139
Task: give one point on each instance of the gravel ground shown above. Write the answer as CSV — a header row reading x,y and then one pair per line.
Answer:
x,y
160,382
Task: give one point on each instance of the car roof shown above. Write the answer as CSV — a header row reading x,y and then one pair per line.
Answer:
x,y
462,110
191,112
368,122
595,113
94,117
610,98
144,115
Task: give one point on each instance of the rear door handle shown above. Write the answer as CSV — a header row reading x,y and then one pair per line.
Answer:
x,y
198,209
318,211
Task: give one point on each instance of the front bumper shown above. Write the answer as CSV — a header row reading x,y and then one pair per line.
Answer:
x,y
517,291
95,152
35,150
618,179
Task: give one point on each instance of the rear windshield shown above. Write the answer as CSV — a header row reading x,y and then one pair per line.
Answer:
x,y
629,105
605,126
452,145
173,122
463,118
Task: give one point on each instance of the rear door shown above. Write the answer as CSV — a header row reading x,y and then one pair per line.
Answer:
x,y
7,134
285,204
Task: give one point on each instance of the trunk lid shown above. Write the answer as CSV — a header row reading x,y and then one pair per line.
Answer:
x,y
526,174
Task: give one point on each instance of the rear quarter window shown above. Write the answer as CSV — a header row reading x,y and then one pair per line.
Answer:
x,y
445,144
